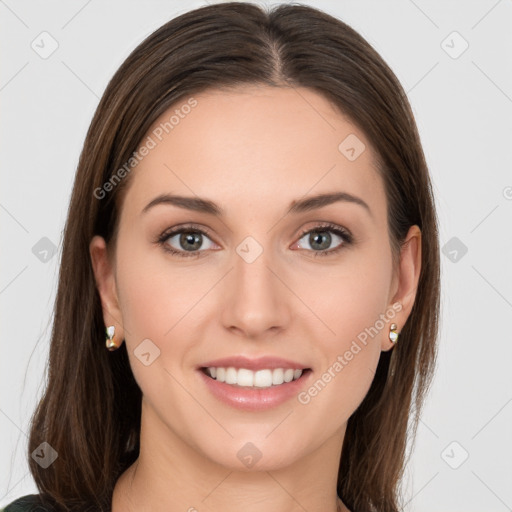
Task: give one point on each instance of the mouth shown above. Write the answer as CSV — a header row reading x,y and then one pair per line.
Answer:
x,y
254,383
259,379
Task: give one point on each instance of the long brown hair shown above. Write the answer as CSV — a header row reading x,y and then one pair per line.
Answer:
x,y
90,411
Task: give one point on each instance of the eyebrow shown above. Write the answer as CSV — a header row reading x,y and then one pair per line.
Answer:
x,y
298,206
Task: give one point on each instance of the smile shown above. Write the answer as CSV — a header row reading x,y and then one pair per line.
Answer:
x,y
258,390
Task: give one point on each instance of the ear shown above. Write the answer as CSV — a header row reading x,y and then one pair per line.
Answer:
x,y
106,285
405,282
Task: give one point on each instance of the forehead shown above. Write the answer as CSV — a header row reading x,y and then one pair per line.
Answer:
x,y
254,146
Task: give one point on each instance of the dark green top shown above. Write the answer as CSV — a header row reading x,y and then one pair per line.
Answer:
x,y
28,503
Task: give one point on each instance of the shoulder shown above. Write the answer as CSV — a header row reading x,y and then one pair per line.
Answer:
x,y
28,503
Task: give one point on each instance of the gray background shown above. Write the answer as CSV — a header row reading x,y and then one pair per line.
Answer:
x,y
463,105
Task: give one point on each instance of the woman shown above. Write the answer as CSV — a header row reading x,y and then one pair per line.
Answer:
x,y
248,299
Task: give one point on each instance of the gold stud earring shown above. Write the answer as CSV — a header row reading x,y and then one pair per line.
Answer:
x,y
109,342
393,335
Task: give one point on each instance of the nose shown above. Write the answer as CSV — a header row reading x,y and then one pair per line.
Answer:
x,y
257,300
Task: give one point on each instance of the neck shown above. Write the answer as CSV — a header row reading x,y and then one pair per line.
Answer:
x,y
171,476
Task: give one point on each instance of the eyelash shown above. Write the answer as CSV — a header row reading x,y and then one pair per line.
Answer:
x,y
192,228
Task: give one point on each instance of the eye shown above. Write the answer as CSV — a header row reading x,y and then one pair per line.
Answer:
x,y
187,241
320,238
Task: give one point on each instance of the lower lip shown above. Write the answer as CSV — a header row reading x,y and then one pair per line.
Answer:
x,y
255,399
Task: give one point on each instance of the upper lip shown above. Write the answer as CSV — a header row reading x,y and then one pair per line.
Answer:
x,y
254,364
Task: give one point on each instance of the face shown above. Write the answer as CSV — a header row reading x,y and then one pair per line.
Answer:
x,y
264,278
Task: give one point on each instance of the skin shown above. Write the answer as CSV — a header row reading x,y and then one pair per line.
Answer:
x,y
253,151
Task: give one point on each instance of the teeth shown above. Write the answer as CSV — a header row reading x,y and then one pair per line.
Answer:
x,y
247,378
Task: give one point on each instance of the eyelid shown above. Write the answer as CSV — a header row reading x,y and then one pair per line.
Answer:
x,y
178,228
327,226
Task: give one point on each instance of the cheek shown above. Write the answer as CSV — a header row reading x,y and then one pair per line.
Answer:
x,y
154,292
156,298
351,302
349,298
349,354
